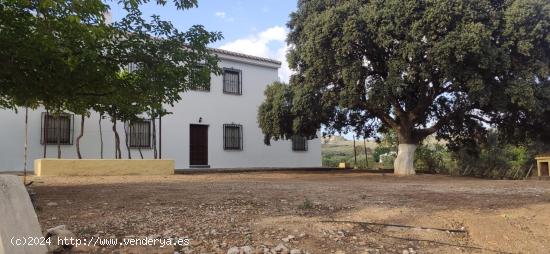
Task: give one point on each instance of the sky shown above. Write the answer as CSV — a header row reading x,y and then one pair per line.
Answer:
x,y
254,27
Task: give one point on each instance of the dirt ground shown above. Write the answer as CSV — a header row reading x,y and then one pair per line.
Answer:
x,y
265,209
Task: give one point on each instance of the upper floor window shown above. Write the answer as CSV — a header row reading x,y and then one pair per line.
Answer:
x,y
232,81
139,134
299,143
57,129
131,67
200,73
232,137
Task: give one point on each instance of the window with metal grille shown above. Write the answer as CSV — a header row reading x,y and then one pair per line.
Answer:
x,y
131,67
139,134
232,81
200,72
232,137
57,129
299,143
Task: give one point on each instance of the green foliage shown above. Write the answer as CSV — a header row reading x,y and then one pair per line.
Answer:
x,y
494,157
274,115
434,158
63,56
336,149
417,67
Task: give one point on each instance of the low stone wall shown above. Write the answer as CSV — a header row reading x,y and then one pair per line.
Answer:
x,y
18,221
86,167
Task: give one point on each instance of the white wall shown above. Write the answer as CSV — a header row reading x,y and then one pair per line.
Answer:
x,y
215,108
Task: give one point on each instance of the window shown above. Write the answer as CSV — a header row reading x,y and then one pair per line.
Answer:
x,y
139,134
57,129
232,137
200,72
232,81
299,143
131,67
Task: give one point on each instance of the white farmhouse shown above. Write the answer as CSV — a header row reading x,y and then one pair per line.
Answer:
x,y
216,128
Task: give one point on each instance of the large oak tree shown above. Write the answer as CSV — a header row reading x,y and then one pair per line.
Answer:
x,y
417,67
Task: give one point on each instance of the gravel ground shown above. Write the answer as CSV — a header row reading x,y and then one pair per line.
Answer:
x,y
300,212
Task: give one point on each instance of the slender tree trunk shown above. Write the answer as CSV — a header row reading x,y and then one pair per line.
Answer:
x,y
118,153
140,153
366,157
354,153
45,134
126,140
155,154
58,140
100,137
80,137
160,137
26,145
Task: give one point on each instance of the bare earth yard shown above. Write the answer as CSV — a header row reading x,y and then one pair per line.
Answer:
x,y
220,211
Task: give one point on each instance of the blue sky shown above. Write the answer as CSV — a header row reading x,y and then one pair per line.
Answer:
x,y
255,27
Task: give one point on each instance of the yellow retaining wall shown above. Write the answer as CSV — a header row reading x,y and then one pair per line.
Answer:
x,y
73,167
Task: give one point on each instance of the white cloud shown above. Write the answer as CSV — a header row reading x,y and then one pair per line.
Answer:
x,y
259,45
224,16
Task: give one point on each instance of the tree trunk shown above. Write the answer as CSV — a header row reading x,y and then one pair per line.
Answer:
x,y
354,154
58,140
140,153
45,134
26,145
100,137
155,154
80,137
366,157
160,137
118,153
126,140
404,163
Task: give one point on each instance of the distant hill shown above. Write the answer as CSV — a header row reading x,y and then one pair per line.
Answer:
x,y
332,139
337,149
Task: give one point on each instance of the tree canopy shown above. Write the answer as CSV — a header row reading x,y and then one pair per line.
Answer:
x,y
417,67
62,55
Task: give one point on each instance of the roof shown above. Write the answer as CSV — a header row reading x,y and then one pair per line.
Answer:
x,y
257,58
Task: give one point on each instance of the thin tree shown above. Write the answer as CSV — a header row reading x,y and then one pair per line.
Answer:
x,y
100,136
82,118
366,157
126,139
45,131
26,145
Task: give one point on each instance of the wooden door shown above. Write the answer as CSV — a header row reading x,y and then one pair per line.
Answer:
x,y
198,145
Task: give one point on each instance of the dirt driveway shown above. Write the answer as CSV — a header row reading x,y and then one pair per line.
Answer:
x,y
262,210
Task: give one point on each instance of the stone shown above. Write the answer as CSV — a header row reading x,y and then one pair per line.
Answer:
x,y
18,219
247,250
59,234
233,250
295,251
281,249
51,204
288,238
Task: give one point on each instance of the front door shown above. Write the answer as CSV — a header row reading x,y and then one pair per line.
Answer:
x,y
198,145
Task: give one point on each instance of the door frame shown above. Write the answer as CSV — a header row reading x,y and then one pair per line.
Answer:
x,y
207,146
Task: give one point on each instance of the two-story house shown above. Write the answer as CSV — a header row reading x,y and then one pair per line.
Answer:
x,y
213,127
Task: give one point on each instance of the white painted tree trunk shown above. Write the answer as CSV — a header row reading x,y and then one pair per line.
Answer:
x,y
404,163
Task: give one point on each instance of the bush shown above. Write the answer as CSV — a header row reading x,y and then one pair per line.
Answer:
x,y
494,158
433,158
